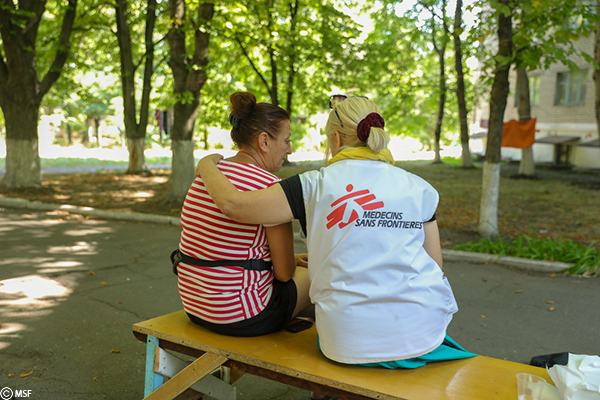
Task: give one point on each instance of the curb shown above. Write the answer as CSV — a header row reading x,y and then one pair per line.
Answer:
x,y
448,255
13,202
523,263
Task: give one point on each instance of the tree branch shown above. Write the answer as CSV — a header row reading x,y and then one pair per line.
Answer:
x,y
252,64
201,38
148,67
159,63
64,44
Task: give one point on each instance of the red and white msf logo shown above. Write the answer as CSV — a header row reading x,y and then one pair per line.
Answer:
x,y
364,198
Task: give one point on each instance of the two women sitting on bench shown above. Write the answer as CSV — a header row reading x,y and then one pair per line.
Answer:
x,y
374,255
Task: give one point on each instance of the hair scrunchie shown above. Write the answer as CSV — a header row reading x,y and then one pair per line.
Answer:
x,y
234,121
363,130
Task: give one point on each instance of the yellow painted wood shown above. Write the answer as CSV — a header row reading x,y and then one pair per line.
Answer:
x,y
191,374
297,355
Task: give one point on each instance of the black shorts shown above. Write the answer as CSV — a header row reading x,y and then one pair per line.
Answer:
x,y
274,317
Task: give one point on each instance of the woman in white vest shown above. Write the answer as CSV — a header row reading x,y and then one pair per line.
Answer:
x,y
374,255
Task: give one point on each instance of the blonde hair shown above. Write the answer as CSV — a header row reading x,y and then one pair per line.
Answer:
x,y
351,112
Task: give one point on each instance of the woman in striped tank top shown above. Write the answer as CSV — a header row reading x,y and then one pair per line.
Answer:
x,y
235,278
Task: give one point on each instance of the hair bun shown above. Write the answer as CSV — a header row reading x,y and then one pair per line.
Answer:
x,y
242,104
363,130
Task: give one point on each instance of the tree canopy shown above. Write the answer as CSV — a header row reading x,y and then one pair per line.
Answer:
x,y
291,53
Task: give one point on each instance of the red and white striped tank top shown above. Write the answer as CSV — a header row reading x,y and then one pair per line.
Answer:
x,y
227,294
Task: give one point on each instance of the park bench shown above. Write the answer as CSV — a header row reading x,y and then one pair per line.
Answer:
x,y
294,359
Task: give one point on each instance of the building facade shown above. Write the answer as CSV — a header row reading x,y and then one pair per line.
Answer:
x,y
563,103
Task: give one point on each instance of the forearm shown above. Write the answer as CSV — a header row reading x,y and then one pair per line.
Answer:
x,y
432,242
281,246
220,189
266,206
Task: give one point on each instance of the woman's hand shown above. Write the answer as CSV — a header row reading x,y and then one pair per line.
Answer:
x,y
214,158
301,260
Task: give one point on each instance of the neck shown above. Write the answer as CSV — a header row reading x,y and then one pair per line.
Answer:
x,y
246,157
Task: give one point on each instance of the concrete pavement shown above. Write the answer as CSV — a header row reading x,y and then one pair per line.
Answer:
x,y
71,286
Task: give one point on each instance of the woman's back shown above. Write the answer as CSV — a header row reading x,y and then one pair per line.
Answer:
x,y
379,296
224,294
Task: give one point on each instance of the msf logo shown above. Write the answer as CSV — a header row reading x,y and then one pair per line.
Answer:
x,y
7,393
364,198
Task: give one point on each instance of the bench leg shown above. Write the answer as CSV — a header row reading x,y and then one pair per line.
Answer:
x,y
169,365
153,380
191,374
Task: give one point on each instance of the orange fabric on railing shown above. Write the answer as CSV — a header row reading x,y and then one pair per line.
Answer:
x,y
518,134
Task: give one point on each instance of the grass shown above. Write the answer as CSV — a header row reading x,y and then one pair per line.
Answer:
x,y
75,162
586,259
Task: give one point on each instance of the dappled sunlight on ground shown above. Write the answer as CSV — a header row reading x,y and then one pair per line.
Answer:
x,y
143,194
81,248
69,296
69,239
26,297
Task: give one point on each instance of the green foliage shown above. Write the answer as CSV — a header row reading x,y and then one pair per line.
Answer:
x,y
298,132
91,75
258,46
585,258
399,69
544,31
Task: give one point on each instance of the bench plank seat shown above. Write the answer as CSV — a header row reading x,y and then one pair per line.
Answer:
x,y
294,358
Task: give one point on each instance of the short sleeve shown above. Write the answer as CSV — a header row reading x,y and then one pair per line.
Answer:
x,y
292,187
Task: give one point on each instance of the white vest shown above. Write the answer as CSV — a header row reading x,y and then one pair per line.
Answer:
x,y
379,296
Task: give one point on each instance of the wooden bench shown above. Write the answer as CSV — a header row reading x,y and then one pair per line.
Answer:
x,y
294,359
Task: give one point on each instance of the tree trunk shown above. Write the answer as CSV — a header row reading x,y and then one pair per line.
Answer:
x,y
135,131
274,86
526,166
22,152
205,138
189,77
596,71
69,134
467,162
290,88
441,52
136,147
488,214
182,167
97,130
440,116
272,59
21,91
85,136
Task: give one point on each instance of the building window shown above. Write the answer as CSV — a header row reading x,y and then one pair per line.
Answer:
x,y
570,88
534,91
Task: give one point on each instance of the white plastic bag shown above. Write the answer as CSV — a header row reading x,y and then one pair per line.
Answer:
x,y
579,379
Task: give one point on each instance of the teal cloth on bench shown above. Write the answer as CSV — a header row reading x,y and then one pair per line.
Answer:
x,y
448,350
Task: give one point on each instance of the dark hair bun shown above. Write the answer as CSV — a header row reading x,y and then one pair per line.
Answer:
x,y
242,104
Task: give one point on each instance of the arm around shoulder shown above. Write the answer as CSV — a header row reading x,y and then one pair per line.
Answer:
x,y
266,206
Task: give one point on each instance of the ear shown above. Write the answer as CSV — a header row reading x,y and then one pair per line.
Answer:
x,y
263,141
337,136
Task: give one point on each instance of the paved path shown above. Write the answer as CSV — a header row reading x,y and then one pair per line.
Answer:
x,y
71,287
